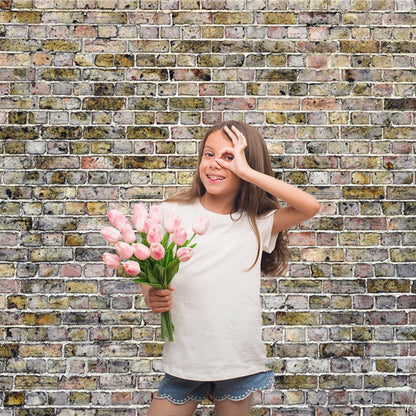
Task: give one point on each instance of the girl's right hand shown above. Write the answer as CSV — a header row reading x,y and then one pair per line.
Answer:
x,y
158,300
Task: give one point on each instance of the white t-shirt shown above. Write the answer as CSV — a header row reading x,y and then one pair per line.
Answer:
x,y
216,302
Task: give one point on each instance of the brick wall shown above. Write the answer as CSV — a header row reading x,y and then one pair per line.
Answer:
x,y
102,105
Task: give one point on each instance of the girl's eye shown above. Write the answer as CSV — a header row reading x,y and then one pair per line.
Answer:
x,y
228,157
208,154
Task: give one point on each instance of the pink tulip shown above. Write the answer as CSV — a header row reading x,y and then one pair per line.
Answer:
x,y
111,234
116,218
173,222
157,251
184,253
128,233
201,225
179,236
141,251
112,261
156,213
138,223
124,250
149,223
139,217
154,235
140,210
131,267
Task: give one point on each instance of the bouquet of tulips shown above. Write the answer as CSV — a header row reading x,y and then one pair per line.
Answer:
x,y
150,251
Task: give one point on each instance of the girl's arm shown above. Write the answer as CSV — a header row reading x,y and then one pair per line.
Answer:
x,y
300,204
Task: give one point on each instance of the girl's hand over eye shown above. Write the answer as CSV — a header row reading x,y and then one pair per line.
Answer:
x,y
234,158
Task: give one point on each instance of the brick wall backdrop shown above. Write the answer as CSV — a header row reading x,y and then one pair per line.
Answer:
x,y
102,105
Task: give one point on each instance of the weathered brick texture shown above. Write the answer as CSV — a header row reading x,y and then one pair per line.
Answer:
x,y
102,104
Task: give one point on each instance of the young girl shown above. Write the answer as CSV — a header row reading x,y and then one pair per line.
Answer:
x,y
217,350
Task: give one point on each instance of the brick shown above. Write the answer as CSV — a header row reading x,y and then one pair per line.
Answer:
x,y
277,18
370,192
20,17
233,104
359,46
14,398
103,103
403,255
298,381
185,18
400,104
188,103
388,286
336,382
320,104
276,75
296,318
194,46
231,18
393,318
9,350
79,383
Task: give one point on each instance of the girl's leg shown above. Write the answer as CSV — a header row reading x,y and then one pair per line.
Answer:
x,y
163,407
233,408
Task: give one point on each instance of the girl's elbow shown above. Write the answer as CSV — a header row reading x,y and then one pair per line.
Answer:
x,y
316,207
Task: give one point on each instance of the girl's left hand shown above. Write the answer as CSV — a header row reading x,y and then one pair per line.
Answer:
x,y
234,158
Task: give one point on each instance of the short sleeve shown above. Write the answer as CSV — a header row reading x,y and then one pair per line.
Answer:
x,y
265,225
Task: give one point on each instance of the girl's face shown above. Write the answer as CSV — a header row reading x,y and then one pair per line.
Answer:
x,y
216,179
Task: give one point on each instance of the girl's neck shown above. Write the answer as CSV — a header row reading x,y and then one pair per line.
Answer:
x,y
217,204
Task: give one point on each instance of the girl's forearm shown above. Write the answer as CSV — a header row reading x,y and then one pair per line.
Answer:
x,y
296,198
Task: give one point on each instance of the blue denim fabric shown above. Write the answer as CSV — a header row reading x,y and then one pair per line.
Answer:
x,y
180,391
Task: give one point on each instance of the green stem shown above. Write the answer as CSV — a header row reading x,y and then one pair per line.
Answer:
x,y
189,241
167,326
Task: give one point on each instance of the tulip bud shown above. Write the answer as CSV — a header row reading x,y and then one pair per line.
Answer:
x,y
111,234
184,254
173,222
141,251
179,236
139,217
112,261
128,233
149,223
140,210
131,267
156,213
201,225
154,235
124,250
116,218
157,251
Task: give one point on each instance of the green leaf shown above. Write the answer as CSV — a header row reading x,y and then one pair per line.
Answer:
x,y
152,278
171,270
161,273
165,240
144,282
143,276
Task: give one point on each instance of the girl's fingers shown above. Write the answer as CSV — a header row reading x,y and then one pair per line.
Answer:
x,y
231,134
240,136
161,305
236,136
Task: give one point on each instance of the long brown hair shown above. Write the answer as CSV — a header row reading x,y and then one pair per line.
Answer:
x,y
251,199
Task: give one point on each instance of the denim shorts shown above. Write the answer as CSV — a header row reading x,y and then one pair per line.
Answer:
x,y
180,391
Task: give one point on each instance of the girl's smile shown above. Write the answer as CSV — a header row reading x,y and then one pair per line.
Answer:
x,y
215,179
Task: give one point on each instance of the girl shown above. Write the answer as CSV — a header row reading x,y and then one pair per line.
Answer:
x,y
217,350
